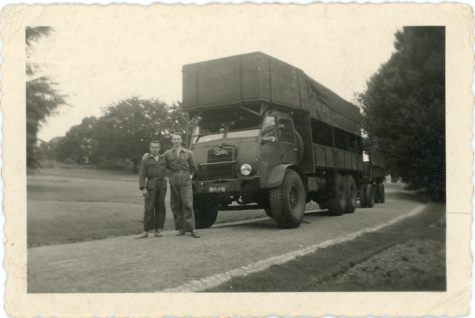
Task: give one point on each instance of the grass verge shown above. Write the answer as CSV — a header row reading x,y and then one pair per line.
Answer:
x,y
407,256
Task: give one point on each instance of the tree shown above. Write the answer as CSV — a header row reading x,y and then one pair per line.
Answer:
x,y
127,127
79,143
404,108
42,99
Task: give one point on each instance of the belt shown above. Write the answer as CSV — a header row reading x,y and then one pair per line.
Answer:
x,y
178,171
161,178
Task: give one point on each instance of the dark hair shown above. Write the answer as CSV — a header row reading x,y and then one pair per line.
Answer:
x,y
154,142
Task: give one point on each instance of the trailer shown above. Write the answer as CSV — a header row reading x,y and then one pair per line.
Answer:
x,y
266,135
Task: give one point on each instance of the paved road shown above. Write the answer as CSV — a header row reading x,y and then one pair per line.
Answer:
x,y
124,264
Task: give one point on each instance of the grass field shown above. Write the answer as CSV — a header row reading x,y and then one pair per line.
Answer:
x,y
70,205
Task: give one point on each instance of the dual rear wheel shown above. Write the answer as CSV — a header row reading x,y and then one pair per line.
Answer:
x,y
343,195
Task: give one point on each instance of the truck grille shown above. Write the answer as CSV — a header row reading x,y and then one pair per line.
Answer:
x,y
224,171
220,154
220,171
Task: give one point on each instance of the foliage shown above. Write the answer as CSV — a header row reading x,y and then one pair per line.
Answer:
x,y
42,100
127,127
79,143
404,108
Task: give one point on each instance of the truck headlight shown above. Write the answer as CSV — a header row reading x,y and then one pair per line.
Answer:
x,y
246,169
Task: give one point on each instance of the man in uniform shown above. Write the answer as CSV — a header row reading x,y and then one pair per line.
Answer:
x,y
154,188
182,166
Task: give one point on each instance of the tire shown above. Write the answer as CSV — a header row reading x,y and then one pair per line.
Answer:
x,y
206,212
265,204
380,195
351,194
338,195
287,201
369,195
363,203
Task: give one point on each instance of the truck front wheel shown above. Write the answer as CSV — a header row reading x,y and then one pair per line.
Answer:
x,y
206,212
287,201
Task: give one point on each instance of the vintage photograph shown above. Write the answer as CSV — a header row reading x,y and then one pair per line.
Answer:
x,y
221,151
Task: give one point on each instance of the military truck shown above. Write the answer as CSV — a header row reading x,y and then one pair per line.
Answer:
x,y
267,136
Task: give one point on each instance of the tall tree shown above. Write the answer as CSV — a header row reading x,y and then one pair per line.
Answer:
x,y
404,108
42,99
79,143
127,127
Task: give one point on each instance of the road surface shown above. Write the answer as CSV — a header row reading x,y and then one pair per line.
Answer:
x,y
171,263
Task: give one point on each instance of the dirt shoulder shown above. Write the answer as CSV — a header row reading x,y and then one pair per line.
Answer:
x,y
407,256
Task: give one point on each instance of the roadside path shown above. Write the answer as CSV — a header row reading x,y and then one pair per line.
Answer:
x,y
124,264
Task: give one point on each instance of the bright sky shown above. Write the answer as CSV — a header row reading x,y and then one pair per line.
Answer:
x,y
107,58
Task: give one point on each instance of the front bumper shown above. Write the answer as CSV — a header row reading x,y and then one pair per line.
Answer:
x,y
226,186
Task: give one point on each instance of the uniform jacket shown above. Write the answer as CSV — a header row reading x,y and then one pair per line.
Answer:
x,y
184,161
151,169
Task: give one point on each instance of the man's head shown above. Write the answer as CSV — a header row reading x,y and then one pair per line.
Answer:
x,y
176,140
155,147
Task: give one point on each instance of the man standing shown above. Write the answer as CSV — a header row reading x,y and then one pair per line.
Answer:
x,y
154,189
182,165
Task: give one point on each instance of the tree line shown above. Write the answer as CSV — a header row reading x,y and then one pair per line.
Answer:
x,y
404,109
123,132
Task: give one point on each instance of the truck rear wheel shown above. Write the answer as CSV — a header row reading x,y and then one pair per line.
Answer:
x,y
338,196
363,203
369,195
206,212
351,194
380,195
287,201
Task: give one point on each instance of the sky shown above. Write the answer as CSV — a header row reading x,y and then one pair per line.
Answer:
x,y
111,58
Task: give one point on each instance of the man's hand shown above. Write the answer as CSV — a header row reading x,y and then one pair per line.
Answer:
x,y
145,193
146,156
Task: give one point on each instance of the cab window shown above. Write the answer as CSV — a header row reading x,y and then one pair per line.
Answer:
x,y
269,132
286,131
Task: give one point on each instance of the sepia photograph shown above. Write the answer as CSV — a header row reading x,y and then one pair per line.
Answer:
x,y
221,151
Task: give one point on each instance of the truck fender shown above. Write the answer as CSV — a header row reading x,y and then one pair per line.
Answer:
x,y
276,176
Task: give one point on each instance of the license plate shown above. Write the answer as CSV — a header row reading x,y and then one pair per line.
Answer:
x,y
217,189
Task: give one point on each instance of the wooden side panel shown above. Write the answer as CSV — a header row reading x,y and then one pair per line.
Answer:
x,y
360,162
329,160
320,155
348,160
354,161
340,159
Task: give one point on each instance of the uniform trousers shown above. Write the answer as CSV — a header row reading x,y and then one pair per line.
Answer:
x,y
181,201
155,210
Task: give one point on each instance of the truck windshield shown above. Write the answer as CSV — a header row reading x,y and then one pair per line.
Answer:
x,y
249,127
237,124
208,131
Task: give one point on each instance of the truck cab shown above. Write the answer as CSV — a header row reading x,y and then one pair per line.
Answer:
x,y
236,151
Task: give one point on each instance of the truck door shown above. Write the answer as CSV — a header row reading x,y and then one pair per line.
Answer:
x,y
287,140
270,152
